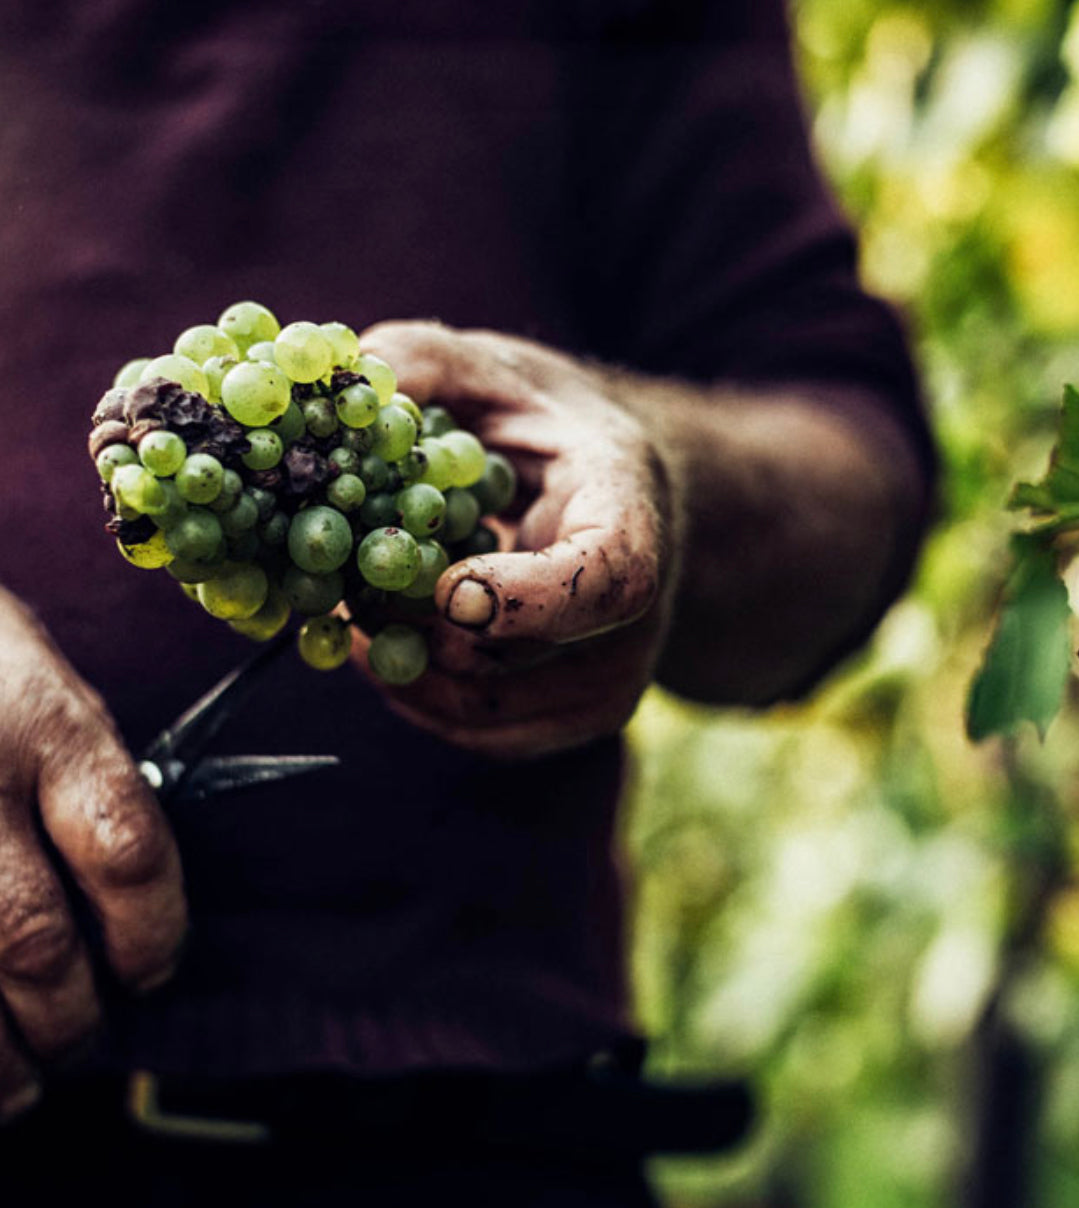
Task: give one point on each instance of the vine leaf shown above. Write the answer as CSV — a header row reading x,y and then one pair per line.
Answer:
x,y
1027,663
1058,491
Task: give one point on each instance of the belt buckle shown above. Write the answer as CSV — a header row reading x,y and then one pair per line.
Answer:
x,y
144,1108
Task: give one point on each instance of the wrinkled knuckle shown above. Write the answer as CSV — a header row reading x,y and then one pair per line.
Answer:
x,y
129,849
39,948
69,725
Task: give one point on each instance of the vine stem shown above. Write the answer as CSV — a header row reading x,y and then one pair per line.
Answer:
x,y
1005,1076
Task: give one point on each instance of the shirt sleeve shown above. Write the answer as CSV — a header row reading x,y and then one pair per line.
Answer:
x,y
710,246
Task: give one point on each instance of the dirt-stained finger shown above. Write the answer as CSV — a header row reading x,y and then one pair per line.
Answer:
x,y
426,356
45,979
113,836
580,586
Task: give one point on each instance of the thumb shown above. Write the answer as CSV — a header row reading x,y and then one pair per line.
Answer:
x,y
581,585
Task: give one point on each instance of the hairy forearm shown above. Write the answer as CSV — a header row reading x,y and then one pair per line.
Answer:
x,y
790,510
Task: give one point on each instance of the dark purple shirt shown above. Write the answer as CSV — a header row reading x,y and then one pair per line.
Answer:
x,y
618,178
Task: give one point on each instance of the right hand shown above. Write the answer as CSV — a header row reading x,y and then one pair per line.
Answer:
x,y
67,780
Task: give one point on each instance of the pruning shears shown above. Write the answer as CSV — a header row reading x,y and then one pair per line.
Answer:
x,y
174,765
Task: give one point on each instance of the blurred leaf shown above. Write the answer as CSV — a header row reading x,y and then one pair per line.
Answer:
x,y
1061,483
1027,664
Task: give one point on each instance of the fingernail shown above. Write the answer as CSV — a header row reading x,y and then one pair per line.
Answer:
x,y
20,1101
472,603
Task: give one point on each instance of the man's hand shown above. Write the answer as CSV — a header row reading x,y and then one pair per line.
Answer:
x,y
793,509
550,644
70,796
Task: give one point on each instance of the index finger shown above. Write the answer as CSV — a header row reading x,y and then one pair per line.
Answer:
x,y
113,837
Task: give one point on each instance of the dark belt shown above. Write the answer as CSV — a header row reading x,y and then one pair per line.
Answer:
x,y
597,1112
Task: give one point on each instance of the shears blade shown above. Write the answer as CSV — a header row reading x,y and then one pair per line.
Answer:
x,y
227,773
173,764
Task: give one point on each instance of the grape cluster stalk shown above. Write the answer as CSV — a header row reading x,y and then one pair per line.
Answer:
x,y
275,472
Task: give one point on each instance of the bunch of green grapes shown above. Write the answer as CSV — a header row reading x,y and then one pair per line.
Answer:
x,y
276,471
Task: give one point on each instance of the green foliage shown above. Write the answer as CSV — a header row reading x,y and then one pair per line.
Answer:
x,y
1060,487
829,895
1028,662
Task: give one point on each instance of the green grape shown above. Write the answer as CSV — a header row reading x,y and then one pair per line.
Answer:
x,y
243,546
379,510
200,478
407,404
130,373
236,592
290,426
263,350
243,515
320,417
358,440
319,539
216,369
325,642
204,341
190,590
374,472
344,342
274,531
379,374
346,492
437,421
175,505
388,558
347,461
266,449
422,508
395,433
462,515
135,487
162,453
113,456
497,485
265,501
303,352
270,619
175,368
312,594
441,464
398,654
255,393
147,554
247,323
196,536
468,453
412,467
483,541
433,561
193,571
232,486
357,406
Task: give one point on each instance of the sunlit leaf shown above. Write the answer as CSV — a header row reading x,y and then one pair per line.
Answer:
x,y
1026,666
1060,486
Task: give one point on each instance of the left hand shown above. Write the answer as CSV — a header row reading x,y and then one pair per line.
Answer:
x,y
551,645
